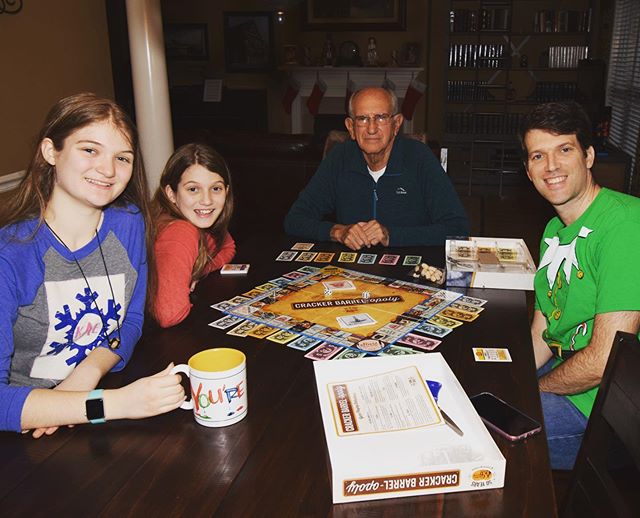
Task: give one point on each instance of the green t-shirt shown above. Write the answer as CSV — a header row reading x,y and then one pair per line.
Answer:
x,y
591,266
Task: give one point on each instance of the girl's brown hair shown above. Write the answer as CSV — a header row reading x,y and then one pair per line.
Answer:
x,y
65,117
166,211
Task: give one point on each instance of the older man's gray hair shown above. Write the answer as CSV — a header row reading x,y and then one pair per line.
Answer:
x,y
392,97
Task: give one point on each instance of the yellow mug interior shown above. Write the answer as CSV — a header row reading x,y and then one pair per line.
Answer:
x,y
216,360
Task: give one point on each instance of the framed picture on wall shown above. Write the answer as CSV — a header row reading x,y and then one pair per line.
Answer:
x,y
410,54
248,41
355,15
186,41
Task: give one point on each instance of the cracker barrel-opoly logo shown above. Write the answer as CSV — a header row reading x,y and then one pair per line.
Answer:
x,y
416,481
482,477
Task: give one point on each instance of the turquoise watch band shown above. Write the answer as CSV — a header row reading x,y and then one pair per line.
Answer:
x,y
94,406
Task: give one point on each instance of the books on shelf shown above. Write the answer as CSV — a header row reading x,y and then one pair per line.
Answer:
x,y
468,91
567,56
483,123
563,20
472,20
481,55
547,91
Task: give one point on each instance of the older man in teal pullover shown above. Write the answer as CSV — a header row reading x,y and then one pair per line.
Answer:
x,y
383,189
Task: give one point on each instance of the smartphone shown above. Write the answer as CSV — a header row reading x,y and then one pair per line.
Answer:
x,y
503,418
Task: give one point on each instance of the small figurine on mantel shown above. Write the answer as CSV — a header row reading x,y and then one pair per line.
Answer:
x,y
372,52
306,56
328,52
395,61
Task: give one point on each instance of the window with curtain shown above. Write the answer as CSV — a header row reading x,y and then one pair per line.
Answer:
x,y
623,84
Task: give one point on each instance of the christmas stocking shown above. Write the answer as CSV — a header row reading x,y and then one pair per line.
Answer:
x,y
351,87
290,94
415,91
315,97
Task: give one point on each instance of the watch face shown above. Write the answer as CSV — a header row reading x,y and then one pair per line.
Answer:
x,y
95,409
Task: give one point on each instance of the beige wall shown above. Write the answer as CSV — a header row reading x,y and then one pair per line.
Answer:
x,y
211,13
50,49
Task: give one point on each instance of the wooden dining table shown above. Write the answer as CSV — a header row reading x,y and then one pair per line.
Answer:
x,y
274,462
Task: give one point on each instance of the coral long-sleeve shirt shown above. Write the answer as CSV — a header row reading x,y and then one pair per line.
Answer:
x,y
176,250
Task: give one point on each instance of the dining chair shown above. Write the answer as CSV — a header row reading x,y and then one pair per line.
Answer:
x,y
606,476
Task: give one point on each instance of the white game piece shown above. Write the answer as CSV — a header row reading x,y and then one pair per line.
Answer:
x,y
365,294
327,292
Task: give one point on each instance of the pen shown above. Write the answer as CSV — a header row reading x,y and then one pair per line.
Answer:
x,y
450,422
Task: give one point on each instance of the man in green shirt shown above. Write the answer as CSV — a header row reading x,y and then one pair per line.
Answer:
x,y
588,283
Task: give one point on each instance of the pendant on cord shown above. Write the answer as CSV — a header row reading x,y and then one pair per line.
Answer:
x,y
114,343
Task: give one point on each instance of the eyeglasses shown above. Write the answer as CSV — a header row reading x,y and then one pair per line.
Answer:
x,y
382,119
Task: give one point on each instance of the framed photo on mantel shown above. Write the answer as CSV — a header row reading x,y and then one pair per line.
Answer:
x,y
355,15
248,41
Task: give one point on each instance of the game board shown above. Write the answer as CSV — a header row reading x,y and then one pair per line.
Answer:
x,y
346,308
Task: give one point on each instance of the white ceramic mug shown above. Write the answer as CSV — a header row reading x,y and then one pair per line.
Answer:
x,y
218,386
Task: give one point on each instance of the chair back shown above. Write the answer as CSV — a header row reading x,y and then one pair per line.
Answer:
x,y
606,477
336,136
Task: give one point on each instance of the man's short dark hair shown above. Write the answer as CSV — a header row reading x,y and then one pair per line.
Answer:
x,y
558,118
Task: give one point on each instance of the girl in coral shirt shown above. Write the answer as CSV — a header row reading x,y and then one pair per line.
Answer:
x,y
193,206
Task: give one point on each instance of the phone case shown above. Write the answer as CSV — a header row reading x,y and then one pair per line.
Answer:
x,y
535,425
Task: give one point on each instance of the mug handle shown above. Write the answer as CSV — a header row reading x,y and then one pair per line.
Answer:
x,y
184,369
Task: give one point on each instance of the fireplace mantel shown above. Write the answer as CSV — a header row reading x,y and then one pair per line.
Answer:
x,y
336,80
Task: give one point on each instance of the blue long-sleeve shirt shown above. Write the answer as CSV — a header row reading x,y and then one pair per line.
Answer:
x,y
414,199
48,318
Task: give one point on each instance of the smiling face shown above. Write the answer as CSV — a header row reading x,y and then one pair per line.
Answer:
x,y
93,167
560,171
200,195
375,139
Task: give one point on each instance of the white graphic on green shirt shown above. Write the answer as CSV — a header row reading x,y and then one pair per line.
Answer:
x,y
556,254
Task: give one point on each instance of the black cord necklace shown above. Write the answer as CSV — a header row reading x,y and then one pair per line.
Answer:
x,y
114,343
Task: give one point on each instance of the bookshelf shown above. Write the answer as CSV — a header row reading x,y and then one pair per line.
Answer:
x,y
504,56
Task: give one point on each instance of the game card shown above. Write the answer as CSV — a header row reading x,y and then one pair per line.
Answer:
x,y
225,322
458,315
398,350
433,330
324,351
302,246
243,328
223,305
238,299
294,275
282,337
306,257
491,354
266,287
304,343
234,269
443,321
412,260
467,308
287,255
253,293
421,342
389,259
308,269
262,331
344,285
347,257
367,258
359,320
472,301
324,257
349,354
280,281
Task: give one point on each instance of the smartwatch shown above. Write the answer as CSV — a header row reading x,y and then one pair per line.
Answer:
x,y
94,406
